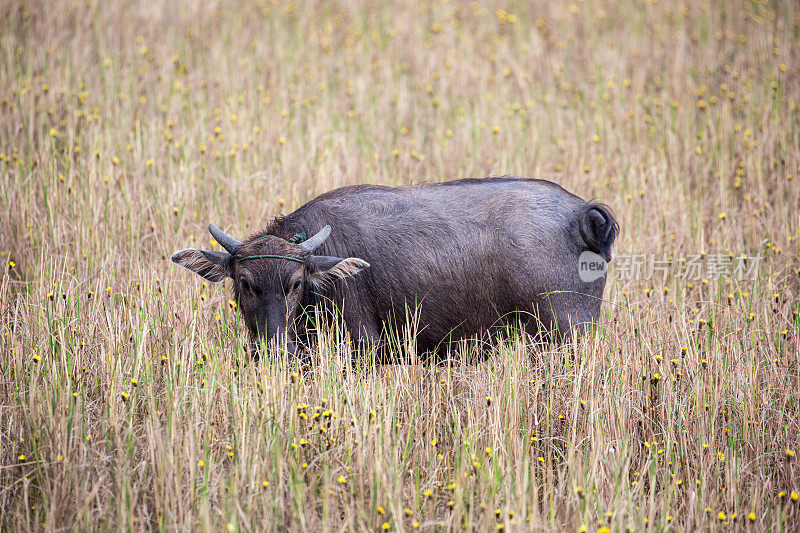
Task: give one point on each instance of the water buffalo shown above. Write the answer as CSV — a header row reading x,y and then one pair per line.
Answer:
x,y
464,257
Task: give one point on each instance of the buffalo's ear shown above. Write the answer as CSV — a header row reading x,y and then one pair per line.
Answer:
x,y
214,266
323,269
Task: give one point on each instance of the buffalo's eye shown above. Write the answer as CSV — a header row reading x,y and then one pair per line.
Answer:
x,y
244,285
296,286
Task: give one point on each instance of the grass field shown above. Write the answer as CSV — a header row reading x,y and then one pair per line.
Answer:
x,y
126,397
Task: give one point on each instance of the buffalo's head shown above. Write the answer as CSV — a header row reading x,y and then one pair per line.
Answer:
x,y
270,276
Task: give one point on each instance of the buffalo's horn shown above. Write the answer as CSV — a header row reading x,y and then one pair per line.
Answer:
x,y
312,243
224,240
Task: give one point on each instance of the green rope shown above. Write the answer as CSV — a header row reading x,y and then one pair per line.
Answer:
x,y
295,259
296,239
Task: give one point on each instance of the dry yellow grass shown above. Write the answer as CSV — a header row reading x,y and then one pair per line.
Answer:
x,y
126,397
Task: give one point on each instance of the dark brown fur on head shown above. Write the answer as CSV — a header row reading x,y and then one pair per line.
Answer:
x,y
272,278
268,290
